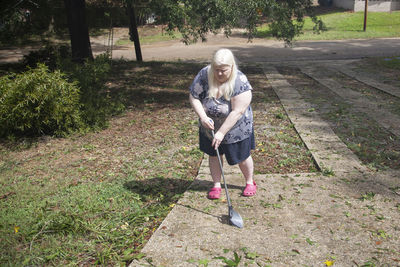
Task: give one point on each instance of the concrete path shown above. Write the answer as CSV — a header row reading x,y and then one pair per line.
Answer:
x,y
367,79
295,220
357,100
305,219
326,147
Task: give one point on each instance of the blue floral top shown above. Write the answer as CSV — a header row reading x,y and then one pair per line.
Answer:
x,y
219,109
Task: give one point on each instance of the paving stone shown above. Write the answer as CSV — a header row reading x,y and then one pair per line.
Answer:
x,y
371,81
310,126
295,219
359,102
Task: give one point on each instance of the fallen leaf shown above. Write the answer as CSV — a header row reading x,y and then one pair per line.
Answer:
x,y
6,195
329,263
296,251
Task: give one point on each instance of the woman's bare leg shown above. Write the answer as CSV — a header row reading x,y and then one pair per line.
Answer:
x,y
215,170
247,168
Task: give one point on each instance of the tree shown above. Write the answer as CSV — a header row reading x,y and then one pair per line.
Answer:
x,y
133,31
195,18
78,29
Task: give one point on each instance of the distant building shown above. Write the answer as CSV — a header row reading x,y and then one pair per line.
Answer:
x,y
373,6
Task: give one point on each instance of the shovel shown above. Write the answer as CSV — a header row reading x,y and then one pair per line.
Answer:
x,y
234,218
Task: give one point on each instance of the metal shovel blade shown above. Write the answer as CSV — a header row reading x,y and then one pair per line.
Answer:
x,y
234,218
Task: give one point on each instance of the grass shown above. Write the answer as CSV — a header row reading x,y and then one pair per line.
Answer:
x,y
96,199
348,25
150,39
150,35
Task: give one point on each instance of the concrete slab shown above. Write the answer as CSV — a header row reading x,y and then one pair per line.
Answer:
x,y
329,152
357,100
367,79
296,219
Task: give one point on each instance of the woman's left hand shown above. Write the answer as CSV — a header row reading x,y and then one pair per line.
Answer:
x,y
218,137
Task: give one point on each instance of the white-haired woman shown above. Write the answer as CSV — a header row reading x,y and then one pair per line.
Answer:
x,y
221,96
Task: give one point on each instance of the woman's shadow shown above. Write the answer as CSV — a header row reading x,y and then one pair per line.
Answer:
x,y
169,190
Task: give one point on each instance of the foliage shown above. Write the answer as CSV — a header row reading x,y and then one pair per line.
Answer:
x,y
194,19
50,55
341,24
97,103
23,17
38,102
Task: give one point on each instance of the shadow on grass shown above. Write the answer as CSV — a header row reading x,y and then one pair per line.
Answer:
x,y
169,187
166,190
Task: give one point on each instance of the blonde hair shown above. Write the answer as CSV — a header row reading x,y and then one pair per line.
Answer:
x,y
223,57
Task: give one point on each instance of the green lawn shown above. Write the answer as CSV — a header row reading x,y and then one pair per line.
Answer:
x,y
349,25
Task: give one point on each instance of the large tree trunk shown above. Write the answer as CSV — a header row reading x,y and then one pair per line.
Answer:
x,y
78,30
133,31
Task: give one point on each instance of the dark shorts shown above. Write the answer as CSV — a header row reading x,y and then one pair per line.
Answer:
x,y
234,153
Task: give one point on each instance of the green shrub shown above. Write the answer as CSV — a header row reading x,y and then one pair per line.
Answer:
x,y
49,55
97,103
38,102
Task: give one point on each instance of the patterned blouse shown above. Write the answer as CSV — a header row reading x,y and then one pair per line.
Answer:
x,y
219,109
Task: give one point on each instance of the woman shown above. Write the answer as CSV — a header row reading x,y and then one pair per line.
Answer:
x,y
221,95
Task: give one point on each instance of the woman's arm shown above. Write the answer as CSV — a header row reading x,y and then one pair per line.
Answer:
x,y
206,121
239,104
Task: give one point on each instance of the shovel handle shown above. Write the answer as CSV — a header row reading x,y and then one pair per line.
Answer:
x,y
222,173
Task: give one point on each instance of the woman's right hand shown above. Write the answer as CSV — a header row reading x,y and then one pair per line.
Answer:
x,y
207,123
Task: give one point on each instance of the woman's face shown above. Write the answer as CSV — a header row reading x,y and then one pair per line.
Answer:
x,y
222,72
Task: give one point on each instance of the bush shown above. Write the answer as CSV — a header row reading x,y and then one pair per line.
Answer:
x,y
38,102
49,55
97,103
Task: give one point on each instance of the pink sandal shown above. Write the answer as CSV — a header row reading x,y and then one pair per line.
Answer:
x,y
214,193
250,190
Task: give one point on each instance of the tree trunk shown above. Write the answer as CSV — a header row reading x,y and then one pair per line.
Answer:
x,y
78,30
133,31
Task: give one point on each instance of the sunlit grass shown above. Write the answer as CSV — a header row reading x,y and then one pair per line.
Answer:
x,y
348,25
150,39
